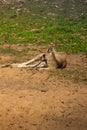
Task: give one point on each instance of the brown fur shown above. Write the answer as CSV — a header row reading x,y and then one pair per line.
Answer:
x,y
58,59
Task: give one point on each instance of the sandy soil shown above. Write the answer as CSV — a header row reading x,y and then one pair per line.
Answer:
x,y
44,99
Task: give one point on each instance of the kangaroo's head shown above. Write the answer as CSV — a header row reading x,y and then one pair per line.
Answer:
x,y
51,48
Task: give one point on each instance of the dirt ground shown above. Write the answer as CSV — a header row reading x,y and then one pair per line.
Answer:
x,y
43,99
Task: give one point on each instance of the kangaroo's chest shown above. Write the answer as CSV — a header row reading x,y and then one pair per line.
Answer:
x,y
51,61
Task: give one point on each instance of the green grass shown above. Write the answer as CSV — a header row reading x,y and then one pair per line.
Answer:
x,y
38,27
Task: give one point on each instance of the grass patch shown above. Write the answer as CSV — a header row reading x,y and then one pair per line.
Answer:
x,y
39,25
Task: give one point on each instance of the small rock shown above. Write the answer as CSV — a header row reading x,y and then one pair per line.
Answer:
x,y
43,90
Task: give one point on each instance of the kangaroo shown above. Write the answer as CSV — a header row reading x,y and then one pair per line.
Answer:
x,y
56,59
51,59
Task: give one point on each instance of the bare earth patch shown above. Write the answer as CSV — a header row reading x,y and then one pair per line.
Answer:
x,y
43,99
